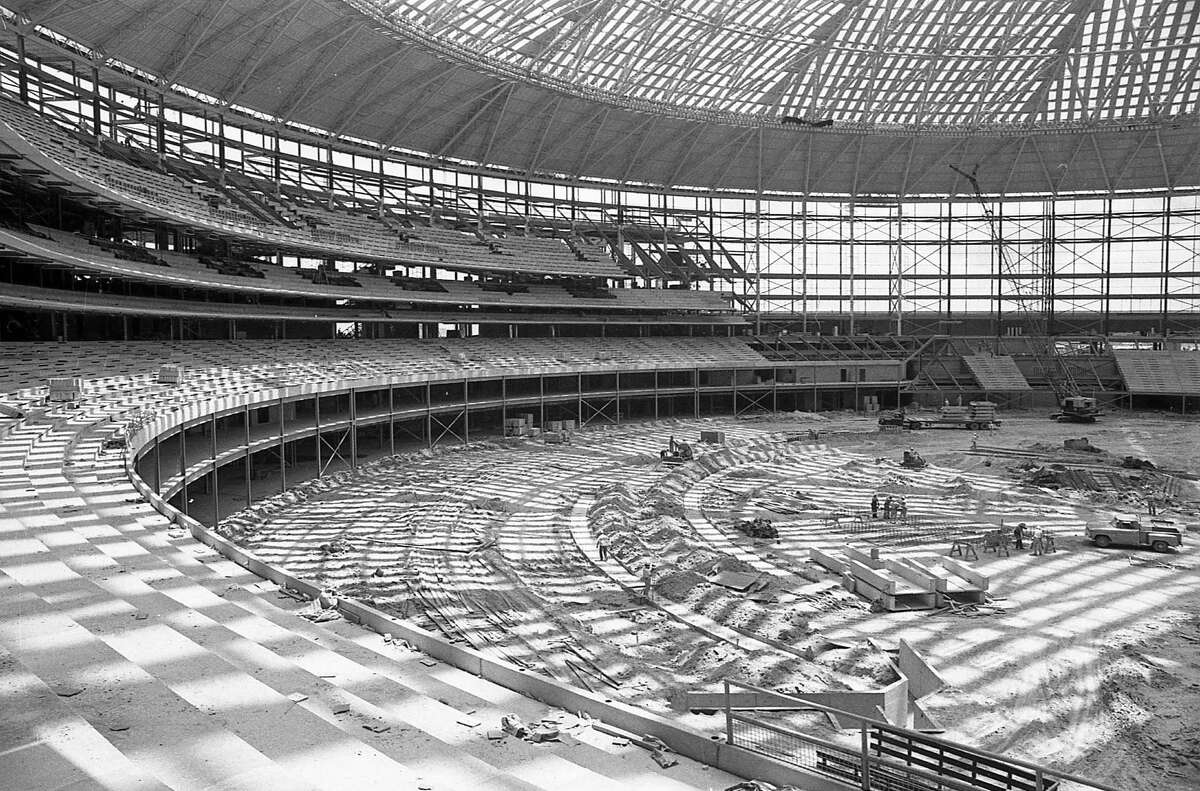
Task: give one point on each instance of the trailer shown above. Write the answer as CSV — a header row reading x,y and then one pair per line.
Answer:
x,y
976,416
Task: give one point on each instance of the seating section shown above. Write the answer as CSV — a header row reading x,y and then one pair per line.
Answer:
x,y
245,207
127,261
996,373
306,361
1159,372
135,657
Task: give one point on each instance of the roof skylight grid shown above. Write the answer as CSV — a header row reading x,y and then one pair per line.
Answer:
x,y
1021,63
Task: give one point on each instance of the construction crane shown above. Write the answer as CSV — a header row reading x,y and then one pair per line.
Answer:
x,y
1072,406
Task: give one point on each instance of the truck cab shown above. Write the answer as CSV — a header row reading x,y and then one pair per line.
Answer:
x,y
1130,530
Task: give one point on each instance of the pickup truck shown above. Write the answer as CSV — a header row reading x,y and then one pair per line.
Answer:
x,y
1128,530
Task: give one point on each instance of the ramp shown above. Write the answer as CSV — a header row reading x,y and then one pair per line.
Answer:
x,y
1160,372
996,373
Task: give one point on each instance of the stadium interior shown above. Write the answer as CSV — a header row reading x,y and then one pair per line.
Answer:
x,y
434,395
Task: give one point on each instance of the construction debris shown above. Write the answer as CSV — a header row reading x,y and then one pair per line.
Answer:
x,y
756,528
760,785
511,723
970,609
339,546
663,755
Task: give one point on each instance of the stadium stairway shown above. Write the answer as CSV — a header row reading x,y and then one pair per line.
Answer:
x,y
132,656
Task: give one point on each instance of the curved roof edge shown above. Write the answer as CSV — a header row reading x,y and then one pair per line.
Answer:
x,y
356,84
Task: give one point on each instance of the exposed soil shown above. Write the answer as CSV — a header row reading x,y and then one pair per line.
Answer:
x,y
1088,660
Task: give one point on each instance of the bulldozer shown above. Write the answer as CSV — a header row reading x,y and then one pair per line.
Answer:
x,y
913,460
677,452
1077,409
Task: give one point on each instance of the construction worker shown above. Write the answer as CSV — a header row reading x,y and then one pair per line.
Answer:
x,y
602,546
1019,536
889,506
647,580
875,505
975,441
902,509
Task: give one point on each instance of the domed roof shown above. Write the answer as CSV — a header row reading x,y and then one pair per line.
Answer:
x,y
842,97
971,63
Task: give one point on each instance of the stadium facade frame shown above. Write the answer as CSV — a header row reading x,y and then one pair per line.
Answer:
x,y
790,259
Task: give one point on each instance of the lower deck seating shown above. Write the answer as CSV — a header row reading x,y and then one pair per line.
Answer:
x,y
24,365
135,657
996,373
1160,372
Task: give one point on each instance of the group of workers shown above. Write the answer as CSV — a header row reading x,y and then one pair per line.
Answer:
x,y
893,507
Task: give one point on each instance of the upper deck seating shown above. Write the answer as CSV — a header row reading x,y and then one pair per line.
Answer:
x,y
261,279
242,206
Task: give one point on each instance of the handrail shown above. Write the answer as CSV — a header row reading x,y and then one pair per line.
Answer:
x,y
1040,769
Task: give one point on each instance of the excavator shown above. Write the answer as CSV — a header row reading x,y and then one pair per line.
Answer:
x,y
677,452
1072,407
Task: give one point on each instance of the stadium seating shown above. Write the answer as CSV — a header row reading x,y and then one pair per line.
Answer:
x,y
240,206
308,361
190,271
152,662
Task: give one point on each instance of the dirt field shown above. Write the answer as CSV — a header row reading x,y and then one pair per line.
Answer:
x,y
1088,659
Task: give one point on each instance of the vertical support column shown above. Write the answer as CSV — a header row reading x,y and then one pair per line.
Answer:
x,y
656,393
852,247
158,466
317,425
728,716
696,392
804,266
282,449
758,247
948,212
329,175
1049,265
1165,281
391,420
996,251
212,445
466,414
22,73
95,100
503,402
428,416
183,489
160,126
221,141
353,429
617,400
276,169
246,467
1106,268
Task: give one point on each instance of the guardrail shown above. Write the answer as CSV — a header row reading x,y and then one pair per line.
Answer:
x,y
887,757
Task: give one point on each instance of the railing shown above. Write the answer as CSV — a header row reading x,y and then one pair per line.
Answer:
x,y
887,757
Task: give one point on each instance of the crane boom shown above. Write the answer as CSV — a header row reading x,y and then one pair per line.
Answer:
x,y
1058,375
